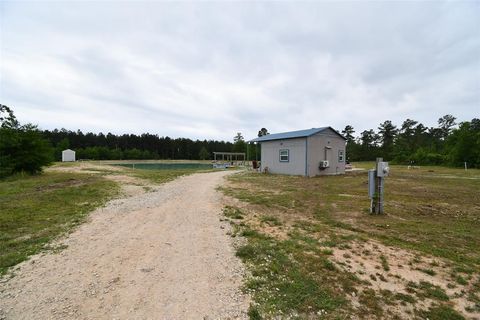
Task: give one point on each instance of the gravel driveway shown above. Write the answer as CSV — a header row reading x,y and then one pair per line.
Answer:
x,y
157,255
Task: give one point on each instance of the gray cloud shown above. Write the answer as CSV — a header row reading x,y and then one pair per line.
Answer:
x,y
208,70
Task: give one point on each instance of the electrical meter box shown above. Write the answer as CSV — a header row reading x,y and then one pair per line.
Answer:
x,y
371,183
383,169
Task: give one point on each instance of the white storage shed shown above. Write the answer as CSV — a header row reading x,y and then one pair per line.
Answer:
x,y
68,155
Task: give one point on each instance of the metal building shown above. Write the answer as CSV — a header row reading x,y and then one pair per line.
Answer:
x,y
68,155
311,152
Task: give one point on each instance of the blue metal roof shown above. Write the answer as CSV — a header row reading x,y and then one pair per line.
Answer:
x,y
293,134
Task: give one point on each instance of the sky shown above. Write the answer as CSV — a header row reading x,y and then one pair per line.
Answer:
x,y
206,70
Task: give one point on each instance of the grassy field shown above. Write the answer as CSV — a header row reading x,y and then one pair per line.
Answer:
x,y
162,176
313,249
36,209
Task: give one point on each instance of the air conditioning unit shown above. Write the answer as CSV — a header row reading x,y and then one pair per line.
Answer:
x,y
324,164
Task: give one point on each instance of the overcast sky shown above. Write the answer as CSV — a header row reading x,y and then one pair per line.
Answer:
x,y
209,70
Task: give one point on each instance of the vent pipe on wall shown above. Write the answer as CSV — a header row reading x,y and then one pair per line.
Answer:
x,y
326,149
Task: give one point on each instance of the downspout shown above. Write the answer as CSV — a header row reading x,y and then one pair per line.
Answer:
x,y
306,156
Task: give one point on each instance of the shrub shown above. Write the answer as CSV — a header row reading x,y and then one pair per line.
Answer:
x,y
22,147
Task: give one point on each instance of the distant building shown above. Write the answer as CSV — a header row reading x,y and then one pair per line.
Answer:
x,y
311,152
68,155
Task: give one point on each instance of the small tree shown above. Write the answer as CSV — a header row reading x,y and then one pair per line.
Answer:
x,y
239,143
22,148
238,137
203,154
263,132
388,133
446,124
7,118
348,134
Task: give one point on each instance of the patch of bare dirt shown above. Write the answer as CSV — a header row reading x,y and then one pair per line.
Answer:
x,y
401,267
130,186
157,255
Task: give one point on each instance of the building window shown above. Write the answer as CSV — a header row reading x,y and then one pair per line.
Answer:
x,y
284,155
340,156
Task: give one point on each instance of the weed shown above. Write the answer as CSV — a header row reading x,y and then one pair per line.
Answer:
x,y
429,290
441,312
253,313
434,263
384,261
327,264
370,303
366,252
407,298
246,252
430,272
464,269
282,280
233,213
271,220
382,277
327,252
461,280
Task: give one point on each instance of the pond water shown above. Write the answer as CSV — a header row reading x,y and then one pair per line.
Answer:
x,y
166,166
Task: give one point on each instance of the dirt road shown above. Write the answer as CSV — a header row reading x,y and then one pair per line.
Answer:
x,y
163,254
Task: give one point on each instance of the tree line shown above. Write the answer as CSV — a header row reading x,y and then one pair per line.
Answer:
x,y
25,148
99,146
449,143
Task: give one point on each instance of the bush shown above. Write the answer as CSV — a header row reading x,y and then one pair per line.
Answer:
x,y
22,148
424,157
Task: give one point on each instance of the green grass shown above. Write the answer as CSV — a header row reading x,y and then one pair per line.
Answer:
x,y
232,212
270,220
406,298
36,209
161,176
385,264
429,211
441,312
461,280
432,212
283,281
427,290
430,272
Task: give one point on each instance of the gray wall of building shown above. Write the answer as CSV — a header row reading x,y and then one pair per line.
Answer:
x,y
271,156
316,152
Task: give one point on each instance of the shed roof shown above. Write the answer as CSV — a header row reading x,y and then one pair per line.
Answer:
x,y
294,134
